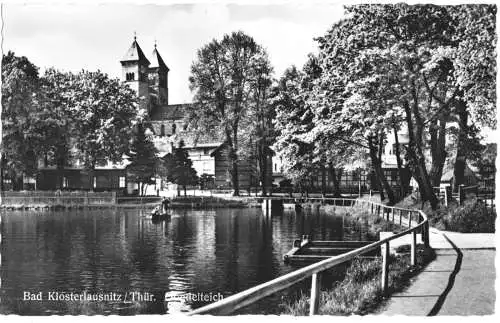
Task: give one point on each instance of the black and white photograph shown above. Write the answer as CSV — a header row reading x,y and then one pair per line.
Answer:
x,y
190,159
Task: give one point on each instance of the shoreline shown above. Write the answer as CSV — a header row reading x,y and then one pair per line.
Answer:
x,y
194,203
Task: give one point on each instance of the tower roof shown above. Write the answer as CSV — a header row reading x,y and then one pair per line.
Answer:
x,y
157,61
135,53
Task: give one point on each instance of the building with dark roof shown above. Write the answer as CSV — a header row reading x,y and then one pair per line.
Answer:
x,y
148,76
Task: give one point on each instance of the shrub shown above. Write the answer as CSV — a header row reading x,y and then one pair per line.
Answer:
x,y
472,216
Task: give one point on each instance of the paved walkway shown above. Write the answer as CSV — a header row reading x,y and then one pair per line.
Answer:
x,y
461,281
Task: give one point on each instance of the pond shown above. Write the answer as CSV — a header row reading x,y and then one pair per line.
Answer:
x,y
117,261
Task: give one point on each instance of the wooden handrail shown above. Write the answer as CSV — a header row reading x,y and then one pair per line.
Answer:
x,y
251,295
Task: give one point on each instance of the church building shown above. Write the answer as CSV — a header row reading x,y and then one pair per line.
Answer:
x,y
148,77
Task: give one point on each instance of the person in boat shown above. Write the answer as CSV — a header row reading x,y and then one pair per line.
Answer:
x,y
156,211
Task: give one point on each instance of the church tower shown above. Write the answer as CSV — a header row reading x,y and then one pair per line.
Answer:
x,y
135,72
158,79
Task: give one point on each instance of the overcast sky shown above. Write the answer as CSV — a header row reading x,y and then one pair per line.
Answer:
x,y
75,37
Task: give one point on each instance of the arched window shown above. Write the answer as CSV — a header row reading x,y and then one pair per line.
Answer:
x,y
162,130
129,76
173,128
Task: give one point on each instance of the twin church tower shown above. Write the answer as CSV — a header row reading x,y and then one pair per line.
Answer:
x,y
148,77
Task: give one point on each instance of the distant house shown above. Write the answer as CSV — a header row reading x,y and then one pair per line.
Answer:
x,y
111,177
470,177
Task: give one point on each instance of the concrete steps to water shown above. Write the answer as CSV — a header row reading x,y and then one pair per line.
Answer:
x,y
307,251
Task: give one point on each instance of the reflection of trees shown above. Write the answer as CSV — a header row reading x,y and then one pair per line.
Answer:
x,y
183,228
226,249
319,226
268,265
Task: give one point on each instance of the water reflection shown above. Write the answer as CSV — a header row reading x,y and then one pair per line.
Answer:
x,y
98,251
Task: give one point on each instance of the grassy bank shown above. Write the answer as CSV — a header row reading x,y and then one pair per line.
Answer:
x,y
360,291
362,218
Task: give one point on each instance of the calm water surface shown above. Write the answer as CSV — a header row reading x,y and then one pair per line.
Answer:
x,y
121,251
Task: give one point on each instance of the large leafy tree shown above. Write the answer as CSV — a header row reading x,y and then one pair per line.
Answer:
x,y
142,158
335,146
86,116
257,127
223,80
293,120
53,131
177,168
105,113
474,62
399,62
19,85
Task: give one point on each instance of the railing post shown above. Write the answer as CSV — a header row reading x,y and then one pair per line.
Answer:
x,y
385,268
372,207
413,256
315,293
393,211
409,218
400,217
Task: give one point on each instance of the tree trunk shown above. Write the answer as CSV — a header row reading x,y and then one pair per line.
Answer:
x,y
323,180
379,156
233,163
17,182
2,187
333,176
461,159
377,166
417,159
438,151
263,169
399,162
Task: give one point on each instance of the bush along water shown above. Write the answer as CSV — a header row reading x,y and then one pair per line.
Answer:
x,y
473,216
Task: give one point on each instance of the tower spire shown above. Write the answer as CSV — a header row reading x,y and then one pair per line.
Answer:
x,y
135,36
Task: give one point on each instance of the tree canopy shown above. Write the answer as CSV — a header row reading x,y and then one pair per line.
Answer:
x,y
62,117
19,85
225,80
390,68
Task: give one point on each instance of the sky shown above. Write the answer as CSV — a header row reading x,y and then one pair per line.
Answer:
x,y
96,36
